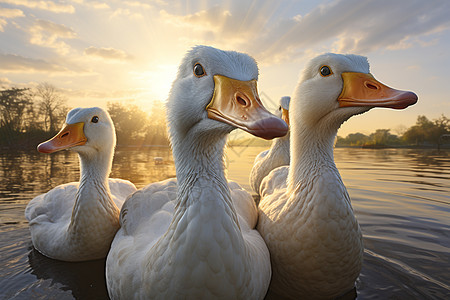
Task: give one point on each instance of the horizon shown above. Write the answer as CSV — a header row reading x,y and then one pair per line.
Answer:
x,y
129,51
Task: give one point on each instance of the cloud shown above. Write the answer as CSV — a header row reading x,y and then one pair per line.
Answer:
x,y
354,26
8,13
92,4
2,24
98,5
48,34
229,26
140,4
107,53
11,63
127,13
43,5
211,19
109,94
5,82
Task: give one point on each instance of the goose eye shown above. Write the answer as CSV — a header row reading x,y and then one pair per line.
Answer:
x,y
279,108
325,71
94,119
198,70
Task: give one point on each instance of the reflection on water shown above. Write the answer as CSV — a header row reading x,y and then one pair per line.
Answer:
x,y
78,278
402,201
401,198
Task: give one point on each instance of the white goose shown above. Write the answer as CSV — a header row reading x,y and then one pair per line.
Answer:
x,y
276,156
77,221
306,217
197,239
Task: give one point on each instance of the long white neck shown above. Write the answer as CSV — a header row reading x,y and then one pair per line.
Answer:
x,y
280,147
196,154
95,168
204,224
93,192
199,163
311,148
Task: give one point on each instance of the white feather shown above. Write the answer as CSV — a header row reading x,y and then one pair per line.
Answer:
x,y
276,156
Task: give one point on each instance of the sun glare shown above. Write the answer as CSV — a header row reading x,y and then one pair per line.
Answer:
x,y
155,82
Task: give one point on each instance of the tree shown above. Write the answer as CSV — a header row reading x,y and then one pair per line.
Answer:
x,y
157,127
400,130
353,139
130,122
426,131
414,135
441,128
383,137
15,105
357,139
52,106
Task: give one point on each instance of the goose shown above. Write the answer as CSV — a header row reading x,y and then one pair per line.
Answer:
x,y
194,237
276,156
77,221
305,213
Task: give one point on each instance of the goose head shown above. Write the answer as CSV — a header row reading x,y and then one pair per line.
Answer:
x,y
334,87
215,92
283,109
86,131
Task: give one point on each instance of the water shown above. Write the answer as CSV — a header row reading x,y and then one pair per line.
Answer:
x,y
401,199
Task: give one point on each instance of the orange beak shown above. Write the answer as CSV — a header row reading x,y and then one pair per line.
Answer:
x,y
70,135
285,115
362,89
237,103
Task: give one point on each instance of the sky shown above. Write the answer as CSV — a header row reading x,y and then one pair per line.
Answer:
x,y
96,52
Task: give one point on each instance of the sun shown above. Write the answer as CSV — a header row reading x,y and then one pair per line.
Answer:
x,y
155,83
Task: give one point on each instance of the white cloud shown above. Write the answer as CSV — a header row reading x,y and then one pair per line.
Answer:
x,y
127,13
5,82
2,24
414,67
355,26
139,4
92,4
11,63
43,5
234,25
48,34
98,5
107,53
211,19
8,13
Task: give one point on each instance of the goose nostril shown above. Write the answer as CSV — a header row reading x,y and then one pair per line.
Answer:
x,y
371,86
64,135
241,101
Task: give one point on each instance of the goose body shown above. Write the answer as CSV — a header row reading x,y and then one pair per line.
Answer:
x,y
77,221
194,237
306,217
276,156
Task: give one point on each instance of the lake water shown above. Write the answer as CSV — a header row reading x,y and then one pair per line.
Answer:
x,y
401,199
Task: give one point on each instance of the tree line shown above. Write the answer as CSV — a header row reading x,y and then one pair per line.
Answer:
x,y
30,116
26,114
425,133
135,127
